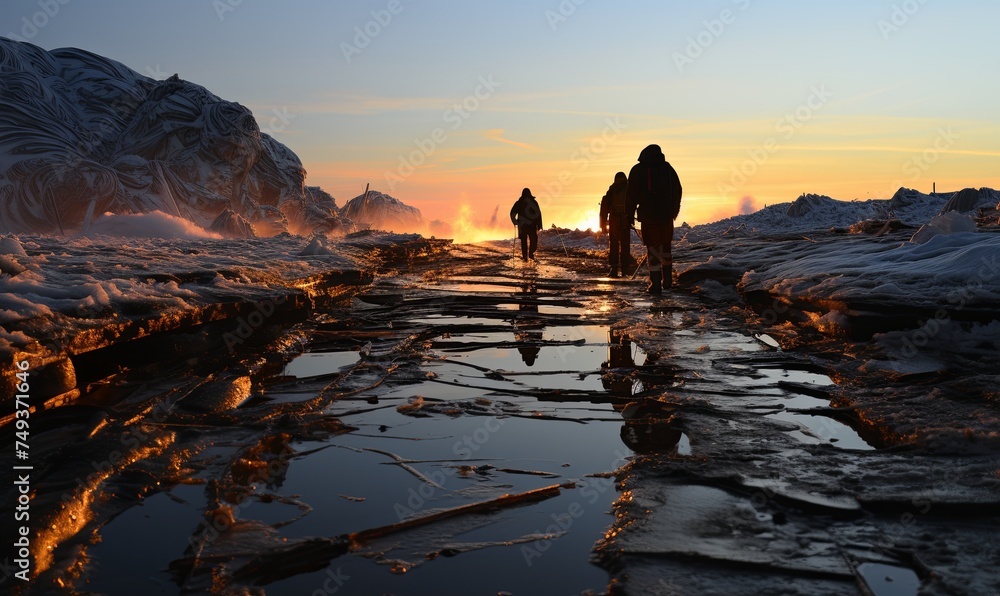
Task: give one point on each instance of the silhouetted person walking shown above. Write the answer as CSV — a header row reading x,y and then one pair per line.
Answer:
x,y
655,190
615,223
527,216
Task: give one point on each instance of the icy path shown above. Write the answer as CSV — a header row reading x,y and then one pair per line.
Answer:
x,y
379,459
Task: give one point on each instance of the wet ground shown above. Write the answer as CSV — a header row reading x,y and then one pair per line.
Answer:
x,y
469,424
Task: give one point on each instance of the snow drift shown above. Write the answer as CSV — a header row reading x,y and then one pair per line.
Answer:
x,y
148,225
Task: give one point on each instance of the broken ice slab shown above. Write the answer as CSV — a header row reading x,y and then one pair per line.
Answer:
x,y
712,525
767,340
781,492
219,393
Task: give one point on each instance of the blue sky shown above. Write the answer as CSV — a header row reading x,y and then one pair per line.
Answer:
x,y
892,78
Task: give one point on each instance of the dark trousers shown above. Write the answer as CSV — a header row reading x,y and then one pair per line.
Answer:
x,y
621,242
657,237
529,242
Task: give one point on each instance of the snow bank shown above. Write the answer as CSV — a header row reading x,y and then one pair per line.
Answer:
x,y
51,286
148,225
42,291
955,270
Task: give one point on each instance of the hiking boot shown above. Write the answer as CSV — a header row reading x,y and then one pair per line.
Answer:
x,y
613,272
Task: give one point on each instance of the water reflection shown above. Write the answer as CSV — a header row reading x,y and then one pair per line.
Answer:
x,y
617,376
529,346
528,327
651,425
527,298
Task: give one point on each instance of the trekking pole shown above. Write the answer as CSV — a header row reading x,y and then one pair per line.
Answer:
x,y
563,242
639,266
513,247
643,259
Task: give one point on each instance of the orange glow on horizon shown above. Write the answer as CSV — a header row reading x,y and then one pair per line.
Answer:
x,y
720,165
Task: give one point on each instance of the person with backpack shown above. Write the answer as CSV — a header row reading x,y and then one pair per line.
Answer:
x,y
527,216
614,222
654,192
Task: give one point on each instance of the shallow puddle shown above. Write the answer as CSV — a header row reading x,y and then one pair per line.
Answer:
x,y
498,412
468,459
455,319
889,580
684,445
823,430
575,360
540,308
471,288
804,402
162,526
314,364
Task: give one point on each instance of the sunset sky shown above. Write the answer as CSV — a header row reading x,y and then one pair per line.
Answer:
x,y
462,103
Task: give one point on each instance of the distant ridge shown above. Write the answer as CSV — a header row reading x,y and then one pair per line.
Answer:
x,y
811,212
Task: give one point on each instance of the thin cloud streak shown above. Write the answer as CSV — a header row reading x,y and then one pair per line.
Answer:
x,y
496,134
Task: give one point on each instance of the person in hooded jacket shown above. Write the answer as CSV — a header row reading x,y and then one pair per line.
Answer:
x,y
527,216
615,223
654,196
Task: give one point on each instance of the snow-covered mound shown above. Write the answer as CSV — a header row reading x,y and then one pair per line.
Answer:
x,y
810,213
808,205
950,222
81,135
971,199
955,270
379,211
908,198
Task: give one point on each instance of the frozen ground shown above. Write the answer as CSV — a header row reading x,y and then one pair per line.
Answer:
x,y
61,298
417,417
447,420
